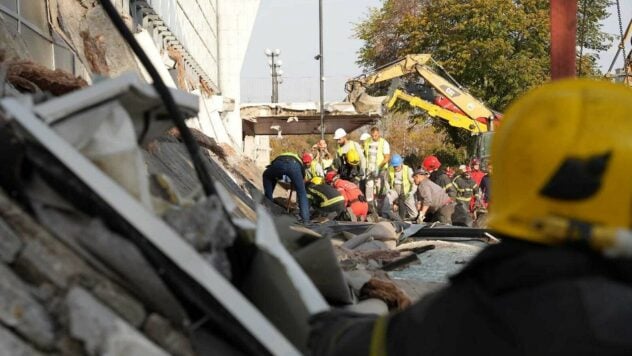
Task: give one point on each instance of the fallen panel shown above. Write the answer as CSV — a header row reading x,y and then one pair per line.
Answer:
x,y
154,230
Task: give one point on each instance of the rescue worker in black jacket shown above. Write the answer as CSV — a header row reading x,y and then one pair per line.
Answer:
x,y
560,283
437,175
325,199
466,189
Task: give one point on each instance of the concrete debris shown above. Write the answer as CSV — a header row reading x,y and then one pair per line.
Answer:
x,y
20,311
102,332
207,229
160,331
14,346
10,243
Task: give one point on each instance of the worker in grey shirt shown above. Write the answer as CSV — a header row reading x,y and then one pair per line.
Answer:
x,y
433,203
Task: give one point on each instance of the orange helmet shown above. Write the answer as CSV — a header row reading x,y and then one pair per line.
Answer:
x,y
431,163
329,177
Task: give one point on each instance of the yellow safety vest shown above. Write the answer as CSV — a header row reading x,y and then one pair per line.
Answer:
x,y
380,154
353,145
291,154
405,176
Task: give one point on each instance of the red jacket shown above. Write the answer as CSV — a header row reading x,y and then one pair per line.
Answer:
x,y
352,193
477,176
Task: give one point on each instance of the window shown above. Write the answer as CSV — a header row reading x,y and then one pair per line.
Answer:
x,y
28,19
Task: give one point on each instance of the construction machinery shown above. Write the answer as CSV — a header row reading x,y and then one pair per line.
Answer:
x,y
435,95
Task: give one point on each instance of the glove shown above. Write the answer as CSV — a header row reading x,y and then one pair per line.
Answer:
x,y
420,218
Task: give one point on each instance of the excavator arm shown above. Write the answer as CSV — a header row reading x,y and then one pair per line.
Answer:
x,y
460,109
454,119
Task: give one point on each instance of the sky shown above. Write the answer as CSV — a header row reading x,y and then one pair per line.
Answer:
x,y
292,27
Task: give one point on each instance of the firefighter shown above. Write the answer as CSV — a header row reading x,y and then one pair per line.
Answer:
x,y
476,173
354,199
560,283
433,203
288,166
349,160
438,175
466,191
312,167
400,188
377,153
325,199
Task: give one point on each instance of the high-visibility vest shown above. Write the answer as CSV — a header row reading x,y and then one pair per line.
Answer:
x,y
291,154
380,148
354,145
405,176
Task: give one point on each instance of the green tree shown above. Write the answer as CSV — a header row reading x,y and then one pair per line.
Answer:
x,y
498,49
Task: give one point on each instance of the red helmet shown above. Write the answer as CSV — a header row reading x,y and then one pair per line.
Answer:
x,y
431,163
329,177
307,158
474,162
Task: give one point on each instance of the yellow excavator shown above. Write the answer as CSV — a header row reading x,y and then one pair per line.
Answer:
x,y
437,96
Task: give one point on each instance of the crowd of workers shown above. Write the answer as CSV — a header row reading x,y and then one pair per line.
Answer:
x,y
365,179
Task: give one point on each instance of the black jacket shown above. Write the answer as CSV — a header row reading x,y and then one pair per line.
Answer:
x,y
515,298
441,179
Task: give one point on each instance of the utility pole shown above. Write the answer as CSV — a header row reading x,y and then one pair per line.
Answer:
x,y
322,70
275,64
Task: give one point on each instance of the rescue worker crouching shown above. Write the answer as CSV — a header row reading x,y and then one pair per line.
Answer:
x,y
325,199
354,199
560,282
433,203
290,165
400,190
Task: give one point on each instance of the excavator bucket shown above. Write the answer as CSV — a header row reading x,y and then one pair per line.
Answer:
x,y
363,102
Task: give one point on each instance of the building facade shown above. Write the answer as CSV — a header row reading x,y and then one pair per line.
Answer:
x,y
200,45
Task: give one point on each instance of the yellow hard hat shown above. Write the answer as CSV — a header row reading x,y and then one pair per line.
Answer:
x,y
317,180
353,157
573,141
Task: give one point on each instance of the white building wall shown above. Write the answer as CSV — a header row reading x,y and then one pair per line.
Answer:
x,y
194,23
236,21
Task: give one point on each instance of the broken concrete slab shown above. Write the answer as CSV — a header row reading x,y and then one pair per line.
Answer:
x,y
20,311
120,302
10,243
162,333
123,259
102,331
14,346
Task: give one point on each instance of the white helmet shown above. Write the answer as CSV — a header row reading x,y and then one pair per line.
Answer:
x,y
339,133
364,136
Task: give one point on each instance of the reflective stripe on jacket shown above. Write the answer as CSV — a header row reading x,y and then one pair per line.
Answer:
x,y
321,195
